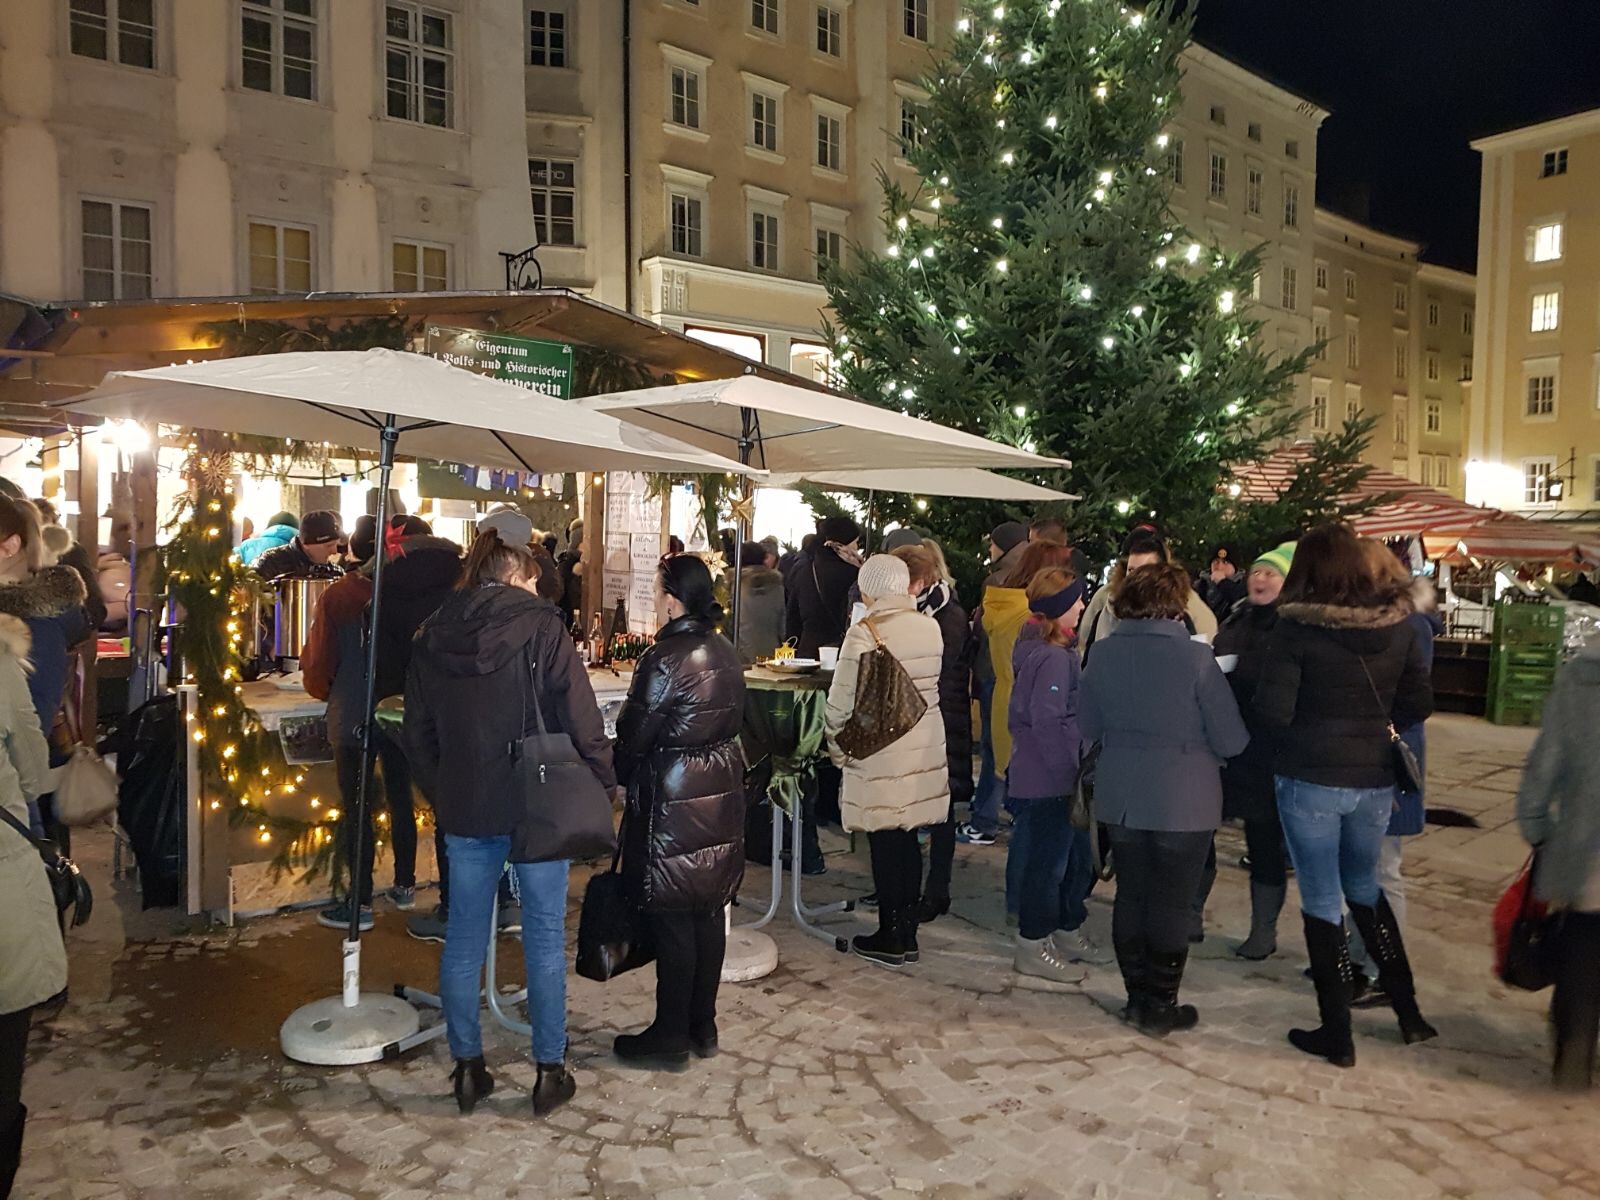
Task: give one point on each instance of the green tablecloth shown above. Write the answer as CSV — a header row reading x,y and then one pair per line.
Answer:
x,y
783,732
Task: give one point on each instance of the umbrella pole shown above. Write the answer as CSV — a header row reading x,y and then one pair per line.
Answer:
x,y
355,1027
741,526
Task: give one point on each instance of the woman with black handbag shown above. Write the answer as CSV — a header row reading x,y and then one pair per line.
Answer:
x,y
492,670
1343,672
679,756
33,960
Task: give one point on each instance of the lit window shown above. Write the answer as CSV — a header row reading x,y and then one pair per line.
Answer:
x,y
118,251
1321,276
830,142
1253,181
911,127
1537,478
1433,416
764,16
420,267
419,64
1290,291
1350,285
1555,163
1541,396
114,31
1319,405
686,97
553,183
1544,242
748,345
280,259
1219,175
830,31
764,121
685,219
764,241
1175,160
811,360
915,19
1402,297
1402,359
1291,206
1546,312
830,248
278,41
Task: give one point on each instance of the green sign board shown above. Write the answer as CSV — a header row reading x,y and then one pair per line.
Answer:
x,y
539,366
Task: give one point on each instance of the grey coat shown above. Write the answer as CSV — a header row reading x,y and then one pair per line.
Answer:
x,y
1166,720
1558,805
762,605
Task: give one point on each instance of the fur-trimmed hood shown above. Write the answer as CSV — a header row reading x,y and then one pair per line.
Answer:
x,y
48,592
1338,616
759,581
15,639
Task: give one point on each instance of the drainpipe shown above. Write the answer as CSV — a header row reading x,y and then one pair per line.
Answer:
x,y
629,266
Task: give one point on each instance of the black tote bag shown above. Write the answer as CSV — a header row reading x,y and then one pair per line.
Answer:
x,y
566,812
613,935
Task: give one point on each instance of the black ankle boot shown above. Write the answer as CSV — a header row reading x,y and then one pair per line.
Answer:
x,y
553,1088
884,947
908,935
1334,976
703,1039
1380,931
653,1048
472,1083
931,908
1161,1013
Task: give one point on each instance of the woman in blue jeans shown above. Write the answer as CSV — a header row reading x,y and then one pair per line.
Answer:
x,y
491,653
1343,669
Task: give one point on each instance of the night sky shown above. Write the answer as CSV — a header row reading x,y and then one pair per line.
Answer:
x,y
1410,83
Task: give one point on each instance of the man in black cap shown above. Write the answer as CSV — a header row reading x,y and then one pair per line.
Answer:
x,y
310,554
1223,584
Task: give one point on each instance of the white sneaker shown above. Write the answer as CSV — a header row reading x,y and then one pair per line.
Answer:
x,y
1040,960
1074,946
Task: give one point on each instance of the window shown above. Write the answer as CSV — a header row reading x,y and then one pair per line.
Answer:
x,y
812,360
1466,322
1175,160
1350,286
553,183
280,259
1319,333
1219,115
1402,358
830,139
764,121
686,97
1544,242
685,215
419,267
764,241
1352,346
1219,175
1321,277
1433,416
1441,470
830,248
1537,476
1401,422
117,251
1291,206
1555,163
1425,470
764,16
1290,291
1546,312
748,345
114,31
1319,405
1253,131
1433,314
547,38
1466,370
1541,396
1594,493
1252,191
278,44
830,31
1402,297
1291,149
915,19
1255,286
1352,402
1433,366
911,127
419,64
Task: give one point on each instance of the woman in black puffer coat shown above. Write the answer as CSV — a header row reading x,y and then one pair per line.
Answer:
x,y
678,754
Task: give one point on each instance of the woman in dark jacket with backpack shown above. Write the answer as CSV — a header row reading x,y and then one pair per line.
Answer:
x,y
679,756
1343,669
486,666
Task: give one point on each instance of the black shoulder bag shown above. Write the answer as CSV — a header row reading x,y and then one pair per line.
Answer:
x,y
613,935
1407,771
566,813
67,883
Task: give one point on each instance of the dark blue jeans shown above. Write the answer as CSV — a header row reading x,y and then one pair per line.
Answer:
x,y
1046,845
984,812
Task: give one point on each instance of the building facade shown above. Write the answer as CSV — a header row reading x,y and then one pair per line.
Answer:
x,y
168,148
1534,429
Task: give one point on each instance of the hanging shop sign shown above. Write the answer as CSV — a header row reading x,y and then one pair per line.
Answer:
x,y
531,363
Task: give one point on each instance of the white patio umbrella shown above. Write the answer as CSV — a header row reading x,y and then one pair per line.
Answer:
x,y
368,399
967,482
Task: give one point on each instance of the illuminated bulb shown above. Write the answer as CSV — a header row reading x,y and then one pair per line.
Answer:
x,y
998,222
1105,178
1136,20
315,803
961,324
999,12
1136,311
1101,92
216,804
999,96
1001,266
933,308
1021,410
894,251
1233,409
988,60
944,181
1225,302
1085,292
229,751
991,39
934,203
265,836
1123,506
1161,141
1108,342
1050,121
1234,489
901,223
199,736
1026,57
1185,370
908,393
927,252
963,25
1099,193
1008,158
922,506
1192,254
1029,446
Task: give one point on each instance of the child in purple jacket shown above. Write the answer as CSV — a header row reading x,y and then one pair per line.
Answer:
x,y
1044,773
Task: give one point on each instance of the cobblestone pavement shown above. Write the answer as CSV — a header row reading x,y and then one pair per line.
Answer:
x,y
951,1079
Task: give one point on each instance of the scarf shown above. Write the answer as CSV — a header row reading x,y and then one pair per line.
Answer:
x,y
934,599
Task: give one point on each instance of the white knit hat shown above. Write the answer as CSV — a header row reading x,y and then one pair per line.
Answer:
x,y
884,575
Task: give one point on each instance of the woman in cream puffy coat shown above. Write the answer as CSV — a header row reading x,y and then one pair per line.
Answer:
x,y
33,962
906,785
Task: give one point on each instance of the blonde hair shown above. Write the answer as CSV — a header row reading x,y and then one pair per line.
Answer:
x,y
921,565
939,563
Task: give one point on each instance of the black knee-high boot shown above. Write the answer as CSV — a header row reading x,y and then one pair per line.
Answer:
x,y
1380,932
1334,976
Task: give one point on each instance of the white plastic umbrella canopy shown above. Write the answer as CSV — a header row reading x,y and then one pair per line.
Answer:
x,y
341,397
968,482
800,430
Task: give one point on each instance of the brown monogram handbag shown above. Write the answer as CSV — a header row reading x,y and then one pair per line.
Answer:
x,y
888,704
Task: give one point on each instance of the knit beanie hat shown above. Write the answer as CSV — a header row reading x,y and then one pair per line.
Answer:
x,y
904,536
512,525
884,575
1009,535
1279,559
840,530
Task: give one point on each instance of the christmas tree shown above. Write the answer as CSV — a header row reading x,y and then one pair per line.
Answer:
x,y
1037,290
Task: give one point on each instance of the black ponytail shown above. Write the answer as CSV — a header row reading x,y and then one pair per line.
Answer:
x,y
687,579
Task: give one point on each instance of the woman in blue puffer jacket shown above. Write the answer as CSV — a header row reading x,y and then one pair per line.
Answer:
x,y
280,531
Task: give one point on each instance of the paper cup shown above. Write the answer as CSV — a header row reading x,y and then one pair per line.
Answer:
x,y
829,656
1228,662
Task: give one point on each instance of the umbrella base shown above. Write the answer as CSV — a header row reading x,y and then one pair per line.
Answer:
x,y
750,956
327,1033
